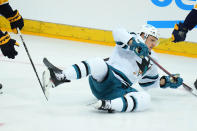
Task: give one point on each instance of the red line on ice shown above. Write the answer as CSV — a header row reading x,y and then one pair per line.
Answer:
x,y
1,124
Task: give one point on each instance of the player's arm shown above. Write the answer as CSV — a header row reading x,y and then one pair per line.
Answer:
x,y
152,81
7,45
150,78
171,81
180,30
13,16
122,37
130,41
191,20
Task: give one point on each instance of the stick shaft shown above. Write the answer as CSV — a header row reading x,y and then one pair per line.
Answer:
x,y
168,73
34,68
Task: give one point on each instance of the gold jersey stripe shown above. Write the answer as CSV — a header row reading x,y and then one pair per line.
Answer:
x,y
3,1
4,39
195,7
14,18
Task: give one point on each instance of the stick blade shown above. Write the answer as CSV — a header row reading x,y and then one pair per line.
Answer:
x,y
47,84
193,91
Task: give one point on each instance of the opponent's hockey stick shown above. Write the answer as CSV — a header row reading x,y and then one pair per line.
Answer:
x,y
189,89
30,60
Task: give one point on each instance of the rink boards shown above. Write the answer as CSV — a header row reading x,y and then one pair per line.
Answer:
x,y
96,36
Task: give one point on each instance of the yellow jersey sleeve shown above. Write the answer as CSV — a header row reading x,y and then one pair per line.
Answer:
x,y
3,1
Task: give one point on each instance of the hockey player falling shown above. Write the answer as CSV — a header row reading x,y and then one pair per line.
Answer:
x,y
111,80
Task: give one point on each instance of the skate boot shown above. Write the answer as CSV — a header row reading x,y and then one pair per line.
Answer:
x,y
1,86
195,84
52,77
56,75
104,105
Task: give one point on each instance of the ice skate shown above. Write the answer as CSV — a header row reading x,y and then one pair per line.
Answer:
x,y
52,77
195,84
46,83
104,105
1,86
56,76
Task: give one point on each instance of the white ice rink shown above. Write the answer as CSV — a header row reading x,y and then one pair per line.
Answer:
x,y
24,108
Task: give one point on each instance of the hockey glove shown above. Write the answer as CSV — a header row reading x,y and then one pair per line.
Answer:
x,y
7,45
172,82
139,47
179,33
16,21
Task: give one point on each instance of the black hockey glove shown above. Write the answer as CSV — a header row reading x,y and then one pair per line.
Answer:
x,y
179,33
172,82
16,21
7,45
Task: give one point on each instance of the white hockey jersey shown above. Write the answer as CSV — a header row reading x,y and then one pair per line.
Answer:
x,y
132,66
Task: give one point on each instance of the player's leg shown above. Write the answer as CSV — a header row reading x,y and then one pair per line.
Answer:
x,y
97,68
133,101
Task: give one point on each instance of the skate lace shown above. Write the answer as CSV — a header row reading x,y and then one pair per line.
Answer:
x,y
60,76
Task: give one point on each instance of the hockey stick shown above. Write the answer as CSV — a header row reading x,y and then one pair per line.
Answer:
x,y
189,89
31,60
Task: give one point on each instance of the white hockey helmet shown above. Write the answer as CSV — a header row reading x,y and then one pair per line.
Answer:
x,y
149,30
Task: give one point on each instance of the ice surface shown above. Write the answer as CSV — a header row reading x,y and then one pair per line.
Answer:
x,y
24,108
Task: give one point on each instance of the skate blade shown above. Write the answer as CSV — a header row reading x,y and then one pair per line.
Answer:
x,y
47,84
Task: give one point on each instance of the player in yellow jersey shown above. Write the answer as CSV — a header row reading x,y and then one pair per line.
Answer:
x,y
16,21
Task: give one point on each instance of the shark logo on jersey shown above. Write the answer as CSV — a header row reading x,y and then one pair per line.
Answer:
x,y
144,66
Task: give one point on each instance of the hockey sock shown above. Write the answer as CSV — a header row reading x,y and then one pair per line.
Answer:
x,y
123,104
97,68
133,101
77,71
